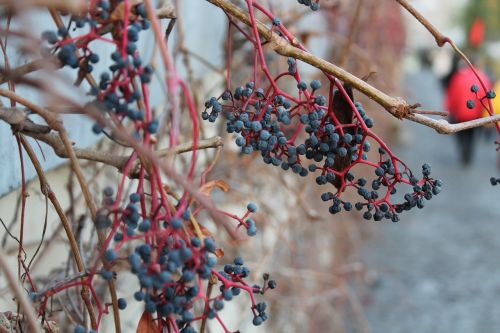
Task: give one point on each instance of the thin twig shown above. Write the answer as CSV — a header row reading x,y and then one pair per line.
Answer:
x,y
353,30
21,296
17,118
46,190
28,68
8,233
438,36
72,6
432,113
212,281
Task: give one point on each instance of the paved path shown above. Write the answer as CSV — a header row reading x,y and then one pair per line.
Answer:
x,y
439,268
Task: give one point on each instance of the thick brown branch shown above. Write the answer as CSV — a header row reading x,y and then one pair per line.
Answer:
x,y
444,127
28,68
119,161
18,119
397,106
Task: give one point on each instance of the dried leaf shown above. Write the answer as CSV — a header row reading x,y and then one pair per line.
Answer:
x,y
147,324
207,188
219,253
119,13
204,231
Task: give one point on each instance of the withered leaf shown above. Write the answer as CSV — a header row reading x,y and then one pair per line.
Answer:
x,y
147,324
207,188
118,13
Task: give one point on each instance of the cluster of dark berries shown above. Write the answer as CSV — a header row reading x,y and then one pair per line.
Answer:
x,y
239,271
171,269
471,104
273,123
313,4
118,90
173,258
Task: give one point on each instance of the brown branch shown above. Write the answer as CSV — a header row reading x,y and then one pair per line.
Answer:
x,y
212,281
54,122
432,113
444,127
19,121
438,36
145,154
28,68
72,6
397,106
352,34
119,161
46,190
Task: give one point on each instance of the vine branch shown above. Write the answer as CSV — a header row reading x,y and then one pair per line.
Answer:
x,y
396,106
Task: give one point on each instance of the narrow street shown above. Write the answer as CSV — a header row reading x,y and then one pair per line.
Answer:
x,y
439,268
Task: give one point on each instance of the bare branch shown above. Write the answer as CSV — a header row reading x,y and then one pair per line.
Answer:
x,y
28,68
438,36
46,190
72,6
397,106
119,161
18,119
444,127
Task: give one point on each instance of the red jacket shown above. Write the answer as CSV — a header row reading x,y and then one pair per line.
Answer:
x,y
459,92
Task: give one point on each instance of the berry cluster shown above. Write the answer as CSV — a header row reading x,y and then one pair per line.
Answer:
x,y
118,89
171,270
485,100
273,125
471,104
317,129
174,257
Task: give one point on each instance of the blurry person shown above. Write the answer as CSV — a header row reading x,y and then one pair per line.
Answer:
x,y
463,105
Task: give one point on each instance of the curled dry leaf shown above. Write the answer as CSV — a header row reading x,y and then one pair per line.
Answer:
x,y
118,13
147,324
208,187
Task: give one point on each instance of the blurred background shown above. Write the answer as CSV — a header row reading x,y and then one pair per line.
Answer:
x,y
435,271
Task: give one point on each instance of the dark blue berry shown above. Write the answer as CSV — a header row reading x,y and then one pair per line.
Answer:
x,y
471,104
122,303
